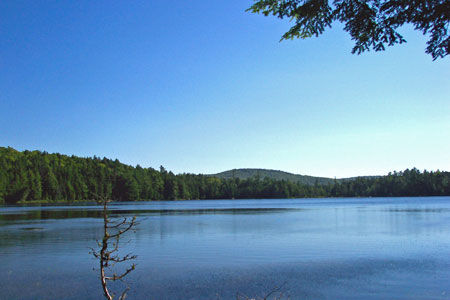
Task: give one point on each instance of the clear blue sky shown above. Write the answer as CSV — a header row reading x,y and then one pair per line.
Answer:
x,y
203,86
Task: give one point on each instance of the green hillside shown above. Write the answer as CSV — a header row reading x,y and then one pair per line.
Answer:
x,y
281,175
35,176
272,174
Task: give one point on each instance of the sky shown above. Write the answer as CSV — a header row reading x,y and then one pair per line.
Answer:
x,y
204,87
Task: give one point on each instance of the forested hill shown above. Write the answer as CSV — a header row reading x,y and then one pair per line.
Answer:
x,y
35,175
272,174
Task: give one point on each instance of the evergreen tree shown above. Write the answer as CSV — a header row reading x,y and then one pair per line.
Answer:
x,y
34,175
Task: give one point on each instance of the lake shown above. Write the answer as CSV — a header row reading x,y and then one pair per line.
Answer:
x,y
365,248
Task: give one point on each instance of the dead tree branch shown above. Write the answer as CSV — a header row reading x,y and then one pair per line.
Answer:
x,y
109,245
276,293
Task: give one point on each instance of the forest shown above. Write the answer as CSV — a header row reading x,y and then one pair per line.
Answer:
x,y
37,176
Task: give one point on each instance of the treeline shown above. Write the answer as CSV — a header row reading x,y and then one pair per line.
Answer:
x,y
34,175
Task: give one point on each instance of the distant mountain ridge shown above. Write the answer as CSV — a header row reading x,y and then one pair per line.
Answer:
x,y
246,173
272,174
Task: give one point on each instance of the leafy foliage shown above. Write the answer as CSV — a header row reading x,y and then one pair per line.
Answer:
x,y
34,175
372,24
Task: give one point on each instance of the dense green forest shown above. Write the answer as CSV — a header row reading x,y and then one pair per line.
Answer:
x,y
34,175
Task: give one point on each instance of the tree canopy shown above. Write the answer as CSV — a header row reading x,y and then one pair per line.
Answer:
x,y
372,24
34,175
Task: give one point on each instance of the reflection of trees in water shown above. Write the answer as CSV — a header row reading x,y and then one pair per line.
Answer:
x,y
85,213
113,231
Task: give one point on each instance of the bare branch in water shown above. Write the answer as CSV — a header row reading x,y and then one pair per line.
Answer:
x,y
107,253
277,295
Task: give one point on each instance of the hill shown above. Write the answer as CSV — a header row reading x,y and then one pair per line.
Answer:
x,y
272,174
281,175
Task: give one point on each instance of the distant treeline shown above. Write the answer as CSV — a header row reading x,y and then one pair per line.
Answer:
x,y
34,175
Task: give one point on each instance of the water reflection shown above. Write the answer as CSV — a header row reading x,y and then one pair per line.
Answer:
x,y
324,249
89,213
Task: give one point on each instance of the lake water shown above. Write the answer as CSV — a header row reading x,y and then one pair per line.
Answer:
x,y
374,248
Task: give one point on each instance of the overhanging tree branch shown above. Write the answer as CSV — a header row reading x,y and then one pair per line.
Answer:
x,y
372,24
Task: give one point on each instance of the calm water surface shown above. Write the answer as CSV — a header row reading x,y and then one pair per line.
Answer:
x,y
377,248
